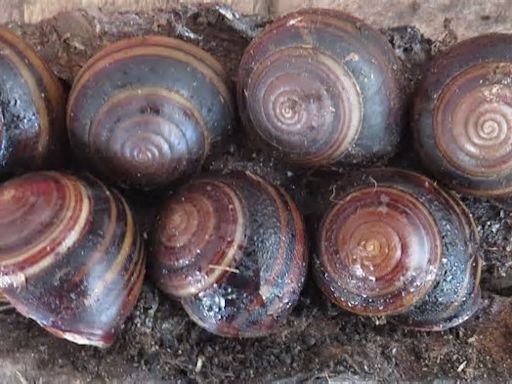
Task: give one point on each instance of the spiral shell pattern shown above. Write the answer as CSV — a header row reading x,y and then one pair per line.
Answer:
x,y
232,248
313,82
393,243
146,111
200,238
31,102
473,122
381,248
70,255
463,116
312,111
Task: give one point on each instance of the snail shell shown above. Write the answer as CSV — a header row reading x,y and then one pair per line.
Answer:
x,y
232,248
31,103
393,243
463,116
70,255
147,111
320,87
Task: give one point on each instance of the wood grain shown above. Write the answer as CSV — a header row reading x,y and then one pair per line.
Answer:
x,y
438,19
435,18
32,11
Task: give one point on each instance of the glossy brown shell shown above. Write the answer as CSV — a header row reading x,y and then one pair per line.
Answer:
x,y
321,87
70,255
393,243
232,248
147,111
463,116
32,104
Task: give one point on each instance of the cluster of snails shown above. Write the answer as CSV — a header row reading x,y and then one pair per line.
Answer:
x,y
318,89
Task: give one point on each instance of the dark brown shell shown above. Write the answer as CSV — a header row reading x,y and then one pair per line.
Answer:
x,y
321,87
463,116
70,255
147,111
32,104
232,248
393,243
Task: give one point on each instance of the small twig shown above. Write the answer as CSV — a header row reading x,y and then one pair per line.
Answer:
x,y
239,23
374,182
333,194
21,377
220,267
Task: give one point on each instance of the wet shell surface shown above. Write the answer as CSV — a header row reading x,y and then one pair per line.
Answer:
x,y
70,255
232,248
32,103
463,116
393,243
147,111
319,87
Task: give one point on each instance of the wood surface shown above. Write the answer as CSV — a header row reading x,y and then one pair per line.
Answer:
x,y
31,11
437,19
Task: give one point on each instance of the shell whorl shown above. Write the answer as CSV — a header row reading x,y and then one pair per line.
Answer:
x,y
31,102
473,120
70,255
200,237
319,87
393,243
146,111
149,132
462,121
232,248
305,103
381,249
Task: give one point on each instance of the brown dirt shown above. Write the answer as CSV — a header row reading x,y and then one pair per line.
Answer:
x,y
319,343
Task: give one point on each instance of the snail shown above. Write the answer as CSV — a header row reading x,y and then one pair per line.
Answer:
x,y
232,249
146,111
31,104
394,244
463,116
320,88
70,255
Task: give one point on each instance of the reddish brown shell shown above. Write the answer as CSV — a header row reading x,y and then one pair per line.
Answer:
x,y
147,111
320,87
393,243
70,255
32,103
382,247
232,248
463,116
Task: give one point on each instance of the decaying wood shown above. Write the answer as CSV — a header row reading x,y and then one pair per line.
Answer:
x,y
32,11
437,19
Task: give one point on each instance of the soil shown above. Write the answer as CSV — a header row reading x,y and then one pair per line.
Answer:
x,y
320,343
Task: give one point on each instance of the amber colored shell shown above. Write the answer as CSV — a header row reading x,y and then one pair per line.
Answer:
x,y
232,248
70,255
320,87
463,116
147,111
393,243
32,104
